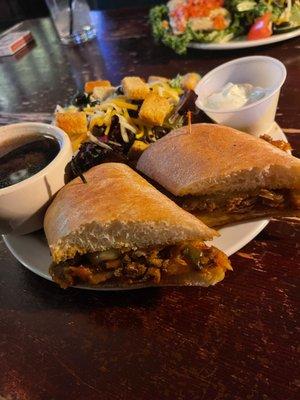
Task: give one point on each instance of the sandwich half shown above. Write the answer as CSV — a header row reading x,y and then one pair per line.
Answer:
x,y
222,175
117,230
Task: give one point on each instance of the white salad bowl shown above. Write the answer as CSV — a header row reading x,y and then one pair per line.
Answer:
x,y
258,117
23,205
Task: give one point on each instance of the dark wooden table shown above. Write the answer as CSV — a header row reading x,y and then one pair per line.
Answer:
x,y
237,340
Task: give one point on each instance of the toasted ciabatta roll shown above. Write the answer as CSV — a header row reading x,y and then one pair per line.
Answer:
x,y
222,175
118,230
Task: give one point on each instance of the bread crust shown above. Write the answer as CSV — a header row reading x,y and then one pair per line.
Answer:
x,y
217,158
116,208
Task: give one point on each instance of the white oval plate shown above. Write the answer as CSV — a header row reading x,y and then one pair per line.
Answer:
x,y
242,43
32,250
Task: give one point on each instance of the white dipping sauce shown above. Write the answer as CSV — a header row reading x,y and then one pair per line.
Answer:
x,y
234,96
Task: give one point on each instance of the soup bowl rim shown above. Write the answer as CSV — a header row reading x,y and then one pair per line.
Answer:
x,y
16,130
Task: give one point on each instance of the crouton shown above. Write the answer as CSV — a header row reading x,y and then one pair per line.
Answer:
x,y
154,78
136,150
190,80
72,123
135,88
102,92
154,109
76,140
90,85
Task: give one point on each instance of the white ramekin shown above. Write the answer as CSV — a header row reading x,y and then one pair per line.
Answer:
x,y
256,118
22,206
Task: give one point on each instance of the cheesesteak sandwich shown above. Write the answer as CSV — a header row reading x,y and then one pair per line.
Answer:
x,y
222,175
117,230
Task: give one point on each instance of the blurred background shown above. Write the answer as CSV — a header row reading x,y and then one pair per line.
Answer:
x,y
13,11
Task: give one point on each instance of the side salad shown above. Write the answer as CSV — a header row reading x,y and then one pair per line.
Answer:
x,y
117,123
179,22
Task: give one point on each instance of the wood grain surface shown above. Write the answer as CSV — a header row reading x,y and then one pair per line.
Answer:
x,y
236,341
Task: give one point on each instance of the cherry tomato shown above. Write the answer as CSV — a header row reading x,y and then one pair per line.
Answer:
x,y
262,28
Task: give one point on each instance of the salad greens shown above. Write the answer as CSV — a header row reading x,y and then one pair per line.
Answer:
x,y
285,16
178,43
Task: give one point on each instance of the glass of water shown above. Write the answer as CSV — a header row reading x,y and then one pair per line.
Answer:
x,y
72,20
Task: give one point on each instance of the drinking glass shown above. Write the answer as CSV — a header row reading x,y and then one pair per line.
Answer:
x,y
72,20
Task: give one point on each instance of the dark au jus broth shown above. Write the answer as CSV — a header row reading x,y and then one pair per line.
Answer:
x,y
22,158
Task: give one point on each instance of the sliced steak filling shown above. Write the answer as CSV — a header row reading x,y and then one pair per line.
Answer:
x,y
176,264
242,202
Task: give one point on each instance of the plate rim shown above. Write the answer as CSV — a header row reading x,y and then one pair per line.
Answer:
x,y
243,44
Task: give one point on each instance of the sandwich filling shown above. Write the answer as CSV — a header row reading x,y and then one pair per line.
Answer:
x,y
259,201
187,262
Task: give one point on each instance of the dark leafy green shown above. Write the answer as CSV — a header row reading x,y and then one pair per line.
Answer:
x,y
243,14
164,34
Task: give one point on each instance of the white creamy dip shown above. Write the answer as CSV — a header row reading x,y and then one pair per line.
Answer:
x,y
234,96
